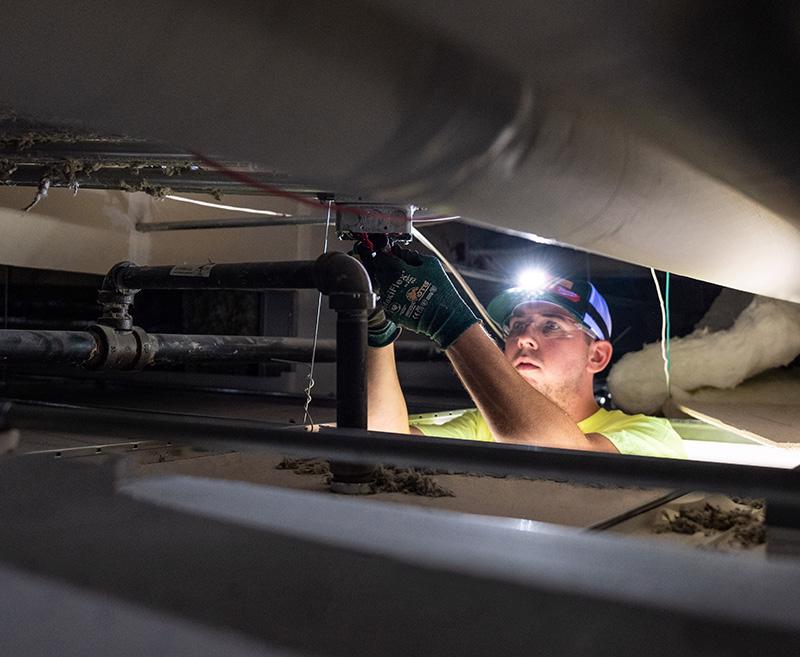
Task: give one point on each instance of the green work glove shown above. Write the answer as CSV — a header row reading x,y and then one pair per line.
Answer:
x,y
416,293
381,331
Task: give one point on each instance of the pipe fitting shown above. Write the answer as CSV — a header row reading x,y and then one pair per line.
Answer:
x,y
115,306
345,281
115,300
113,279
121,350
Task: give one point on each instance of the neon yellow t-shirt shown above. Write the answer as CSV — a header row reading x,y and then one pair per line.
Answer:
x,y
630,434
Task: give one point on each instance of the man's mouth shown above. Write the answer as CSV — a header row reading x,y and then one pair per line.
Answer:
x,y
526,365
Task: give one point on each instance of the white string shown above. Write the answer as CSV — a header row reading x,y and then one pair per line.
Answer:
x,y
467,289
310,378
222,206
663,327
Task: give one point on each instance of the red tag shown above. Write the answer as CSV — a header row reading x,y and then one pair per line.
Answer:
x,y
567,294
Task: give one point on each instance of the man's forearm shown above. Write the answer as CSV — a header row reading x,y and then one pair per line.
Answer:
x,y
513,409
387,409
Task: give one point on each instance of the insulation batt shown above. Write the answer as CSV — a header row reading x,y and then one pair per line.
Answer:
x,y
765,335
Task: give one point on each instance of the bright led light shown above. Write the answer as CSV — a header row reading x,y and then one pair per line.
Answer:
x,y
533,279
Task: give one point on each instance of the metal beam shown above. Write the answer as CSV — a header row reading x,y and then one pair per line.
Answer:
x,y
234,222
359,446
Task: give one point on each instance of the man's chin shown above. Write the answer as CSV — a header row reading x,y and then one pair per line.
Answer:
x,y
535,377
532,376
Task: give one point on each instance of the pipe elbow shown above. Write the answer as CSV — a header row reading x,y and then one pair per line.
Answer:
x,y
112,279
345,280
340,273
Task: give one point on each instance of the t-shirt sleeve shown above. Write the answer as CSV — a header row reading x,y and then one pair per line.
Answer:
x,y
466,426
645,436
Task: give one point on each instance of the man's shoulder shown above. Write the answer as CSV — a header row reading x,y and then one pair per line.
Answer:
x,y
616,419
638,434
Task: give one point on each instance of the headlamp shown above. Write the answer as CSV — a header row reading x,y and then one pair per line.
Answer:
x,y
533,279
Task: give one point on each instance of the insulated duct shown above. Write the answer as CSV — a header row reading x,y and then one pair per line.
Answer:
x,y
660,133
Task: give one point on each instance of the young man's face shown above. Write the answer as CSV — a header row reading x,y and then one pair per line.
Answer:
x,y
549,349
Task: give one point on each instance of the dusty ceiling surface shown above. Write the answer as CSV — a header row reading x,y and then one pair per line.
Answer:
x,y
32,151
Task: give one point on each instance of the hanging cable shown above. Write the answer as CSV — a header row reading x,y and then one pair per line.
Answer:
x,y
664,326
668,331
222,206
466,288
307,419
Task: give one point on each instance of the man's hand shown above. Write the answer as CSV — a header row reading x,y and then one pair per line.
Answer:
x,y
416,293
381,331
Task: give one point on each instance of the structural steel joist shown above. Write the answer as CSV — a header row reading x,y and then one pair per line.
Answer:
x,y
777,485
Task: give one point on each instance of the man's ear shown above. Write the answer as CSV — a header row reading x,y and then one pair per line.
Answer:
x,y
599,355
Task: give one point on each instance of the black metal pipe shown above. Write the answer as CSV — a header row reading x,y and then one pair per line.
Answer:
x,y
342,277
227,276
21,346
25,323
337,274
348,286
80,347
351,369
351,396
239,348
358,446
300,349
334,274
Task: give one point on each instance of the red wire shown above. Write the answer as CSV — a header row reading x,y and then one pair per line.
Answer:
x,y
272,190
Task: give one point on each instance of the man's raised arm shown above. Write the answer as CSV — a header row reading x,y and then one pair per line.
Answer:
x,y
387,409
416,293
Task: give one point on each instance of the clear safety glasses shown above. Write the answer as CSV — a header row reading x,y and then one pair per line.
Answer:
x,y
550,328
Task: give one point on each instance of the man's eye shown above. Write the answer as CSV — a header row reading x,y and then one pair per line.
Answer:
x,y
550,327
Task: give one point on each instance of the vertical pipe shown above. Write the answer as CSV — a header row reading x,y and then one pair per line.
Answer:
x,y
5,316
351,396
5,297
351,370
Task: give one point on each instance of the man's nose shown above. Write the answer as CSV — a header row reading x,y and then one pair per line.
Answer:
x,y
529,337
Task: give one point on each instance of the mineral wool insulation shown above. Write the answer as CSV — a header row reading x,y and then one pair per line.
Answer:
x,y
765,335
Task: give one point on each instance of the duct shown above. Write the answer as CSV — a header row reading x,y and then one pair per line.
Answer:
x,y
638,132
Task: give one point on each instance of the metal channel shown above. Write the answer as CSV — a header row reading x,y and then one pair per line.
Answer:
x,y
360,446
235,222
103,448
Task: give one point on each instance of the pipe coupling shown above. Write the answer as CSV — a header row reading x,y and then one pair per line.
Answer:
x,y
121,350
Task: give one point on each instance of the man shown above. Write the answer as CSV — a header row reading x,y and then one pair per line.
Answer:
x,y
538,390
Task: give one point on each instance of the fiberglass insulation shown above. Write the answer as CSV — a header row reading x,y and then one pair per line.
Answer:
x,y
765,335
